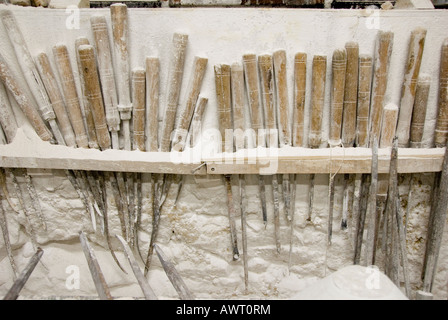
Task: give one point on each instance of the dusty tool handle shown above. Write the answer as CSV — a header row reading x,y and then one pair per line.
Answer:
x,y
106,72
388,126
383,51
27,65
119,19
7,118
138,99
253,92
237,83
350,94
299,99
419,111
441,132
317,100
266,67
194,87
364,90
64,67
281,85
23,101
152,103
180,42
388,130
196,123
56,98
93,92
338,66
409,86
85,108
223,97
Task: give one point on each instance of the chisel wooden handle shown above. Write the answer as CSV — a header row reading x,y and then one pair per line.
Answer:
x,y
388,128
106,72
196,123
27,65
419,111
364,89
299,99
281,85
224,102
56,99
152,104
93,92
237,83
119,19
253,92
348,135
68,85
409,86
265,64
317,100
87,114
31,73
223,97
23,101
350,94
388,125
138,99
383,51
3,139
174,85
338,65
441,132
194,87
7,118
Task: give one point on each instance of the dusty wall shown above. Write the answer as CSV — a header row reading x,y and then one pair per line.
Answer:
x,y
195,233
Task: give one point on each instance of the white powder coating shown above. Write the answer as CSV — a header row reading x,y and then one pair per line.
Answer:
x,y
349,283
195,234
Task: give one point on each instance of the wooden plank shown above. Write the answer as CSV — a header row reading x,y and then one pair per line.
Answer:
x,y
355,160
253,161
96,165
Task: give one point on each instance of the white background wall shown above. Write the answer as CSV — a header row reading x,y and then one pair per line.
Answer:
x,y
195,233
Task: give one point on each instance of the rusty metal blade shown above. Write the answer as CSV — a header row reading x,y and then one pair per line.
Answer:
x,y
95,270
147,290
18,285
174,276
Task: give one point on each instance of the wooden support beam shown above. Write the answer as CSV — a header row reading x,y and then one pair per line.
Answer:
x,y
356,160
306,161
293,160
